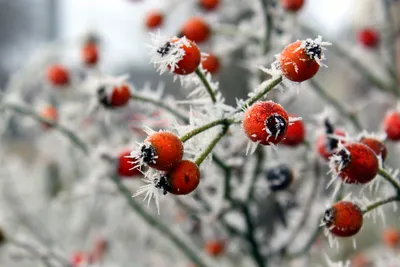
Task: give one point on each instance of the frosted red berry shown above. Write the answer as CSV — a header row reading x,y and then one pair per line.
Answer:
x,y
391,125
344,219
211,63
162,151
369,37
266,122
326,146
214,248
125,165
114,98
377,146
90,54
298,60
295,134
196,29
182,179
49,113
58,75
154,19
190,61
355,163
292,5
209,5
391,237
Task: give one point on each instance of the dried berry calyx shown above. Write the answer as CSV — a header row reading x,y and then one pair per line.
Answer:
x,y
276,125
165,49
280,177
163,184
148,154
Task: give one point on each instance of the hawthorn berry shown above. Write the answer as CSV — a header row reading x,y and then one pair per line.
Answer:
x,y
124,165
180,180
279,178
292,5
209,5
58,75
154,19
114,97
326,145
391,237
49,113
162,151
295,134
391,125
78,258
355,163
343,219
182,56
196,29
266,122
300,60
369,37
214,248
377,146
210,63
90,54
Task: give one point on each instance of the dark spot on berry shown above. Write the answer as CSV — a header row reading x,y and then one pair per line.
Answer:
x,y
163,184
279,177
165,49
332,143
329,217
148,154
103,97
187,179
345,157
313,50
276,125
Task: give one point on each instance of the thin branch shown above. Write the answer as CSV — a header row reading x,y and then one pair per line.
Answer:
x,y
258,96
205,127
157,224
211,146
207,85
390,179
260,261
336,104
380,203
30,113
137,97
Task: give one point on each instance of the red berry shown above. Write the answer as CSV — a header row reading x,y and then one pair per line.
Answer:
x,y
292,5
125,166
49,113
57,75
196,29
209,5
162,151
90,54
190,61
183,178
154,19
391,237
114,98
295,134
78,258
99,249
266,122
360,261
327,146
211,63
344,219
214,248
355,163
297,60
391,125
368,37
377,146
